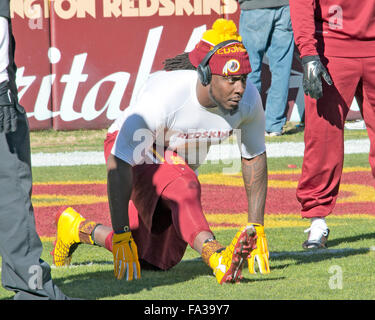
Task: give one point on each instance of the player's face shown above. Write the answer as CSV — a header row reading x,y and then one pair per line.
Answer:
x,y
226,92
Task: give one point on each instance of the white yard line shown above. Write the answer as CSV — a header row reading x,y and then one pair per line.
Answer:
x,y
217,152
67,158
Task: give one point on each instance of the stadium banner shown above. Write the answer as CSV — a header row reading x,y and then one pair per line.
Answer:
x,y
80,62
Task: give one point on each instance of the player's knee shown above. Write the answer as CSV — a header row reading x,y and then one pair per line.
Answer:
x,y
190,190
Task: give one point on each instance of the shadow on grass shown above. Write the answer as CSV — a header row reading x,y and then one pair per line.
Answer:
x,y
92,285
102,284
359,237
313,256
317,255
265,279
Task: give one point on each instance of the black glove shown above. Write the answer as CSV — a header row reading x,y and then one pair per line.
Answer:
x,y
313,71
8,109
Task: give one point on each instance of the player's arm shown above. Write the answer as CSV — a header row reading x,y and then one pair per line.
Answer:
x,y
254,173
251,142
119,188
124,249
255,176
136,136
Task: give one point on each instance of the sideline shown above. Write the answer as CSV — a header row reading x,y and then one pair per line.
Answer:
x,y
222,151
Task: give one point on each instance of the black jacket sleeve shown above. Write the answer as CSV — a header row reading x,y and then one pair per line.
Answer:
x,y
5,8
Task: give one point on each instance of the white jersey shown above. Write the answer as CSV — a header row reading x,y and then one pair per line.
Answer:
x,y
4,47
167,114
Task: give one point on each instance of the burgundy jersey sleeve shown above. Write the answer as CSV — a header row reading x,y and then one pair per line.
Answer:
x,y
303,22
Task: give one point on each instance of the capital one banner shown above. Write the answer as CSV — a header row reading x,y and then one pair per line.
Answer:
x,y
80,62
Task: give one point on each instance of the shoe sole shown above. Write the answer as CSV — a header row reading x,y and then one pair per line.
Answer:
x,y
246,243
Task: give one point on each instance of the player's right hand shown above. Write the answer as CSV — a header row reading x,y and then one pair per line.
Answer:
x,y
125,256
313,72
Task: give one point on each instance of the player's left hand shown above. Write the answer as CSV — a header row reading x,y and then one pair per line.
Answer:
x,y
313,72
260,256
125,256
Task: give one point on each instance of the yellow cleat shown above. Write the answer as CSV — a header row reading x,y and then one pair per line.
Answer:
x,y
227,264
71,231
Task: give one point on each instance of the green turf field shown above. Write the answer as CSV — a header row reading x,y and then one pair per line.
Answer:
x,y
344,271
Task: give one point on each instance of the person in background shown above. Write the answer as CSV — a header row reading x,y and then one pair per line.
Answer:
x,y
266,30
336,40
22,271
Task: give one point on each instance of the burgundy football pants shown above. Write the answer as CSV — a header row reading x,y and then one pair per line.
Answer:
x,y
324,131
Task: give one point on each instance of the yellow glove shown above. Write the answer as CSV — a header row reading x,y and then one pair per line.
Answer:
x,y
125,256
260,254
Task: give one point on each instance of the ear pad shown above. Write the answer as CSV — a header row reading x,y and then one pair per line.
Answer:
x,y
203,69
204,74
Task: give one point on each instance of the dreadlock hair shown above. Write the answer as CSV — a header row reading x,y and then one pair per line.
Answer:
x,y
179,62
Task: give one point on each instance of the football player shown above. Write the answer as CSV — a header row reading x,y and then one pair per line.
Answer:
x,y
152,151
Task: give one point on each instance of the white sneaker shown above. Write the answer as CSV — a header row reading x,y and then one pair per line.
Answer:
x,y
318,234
273,134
